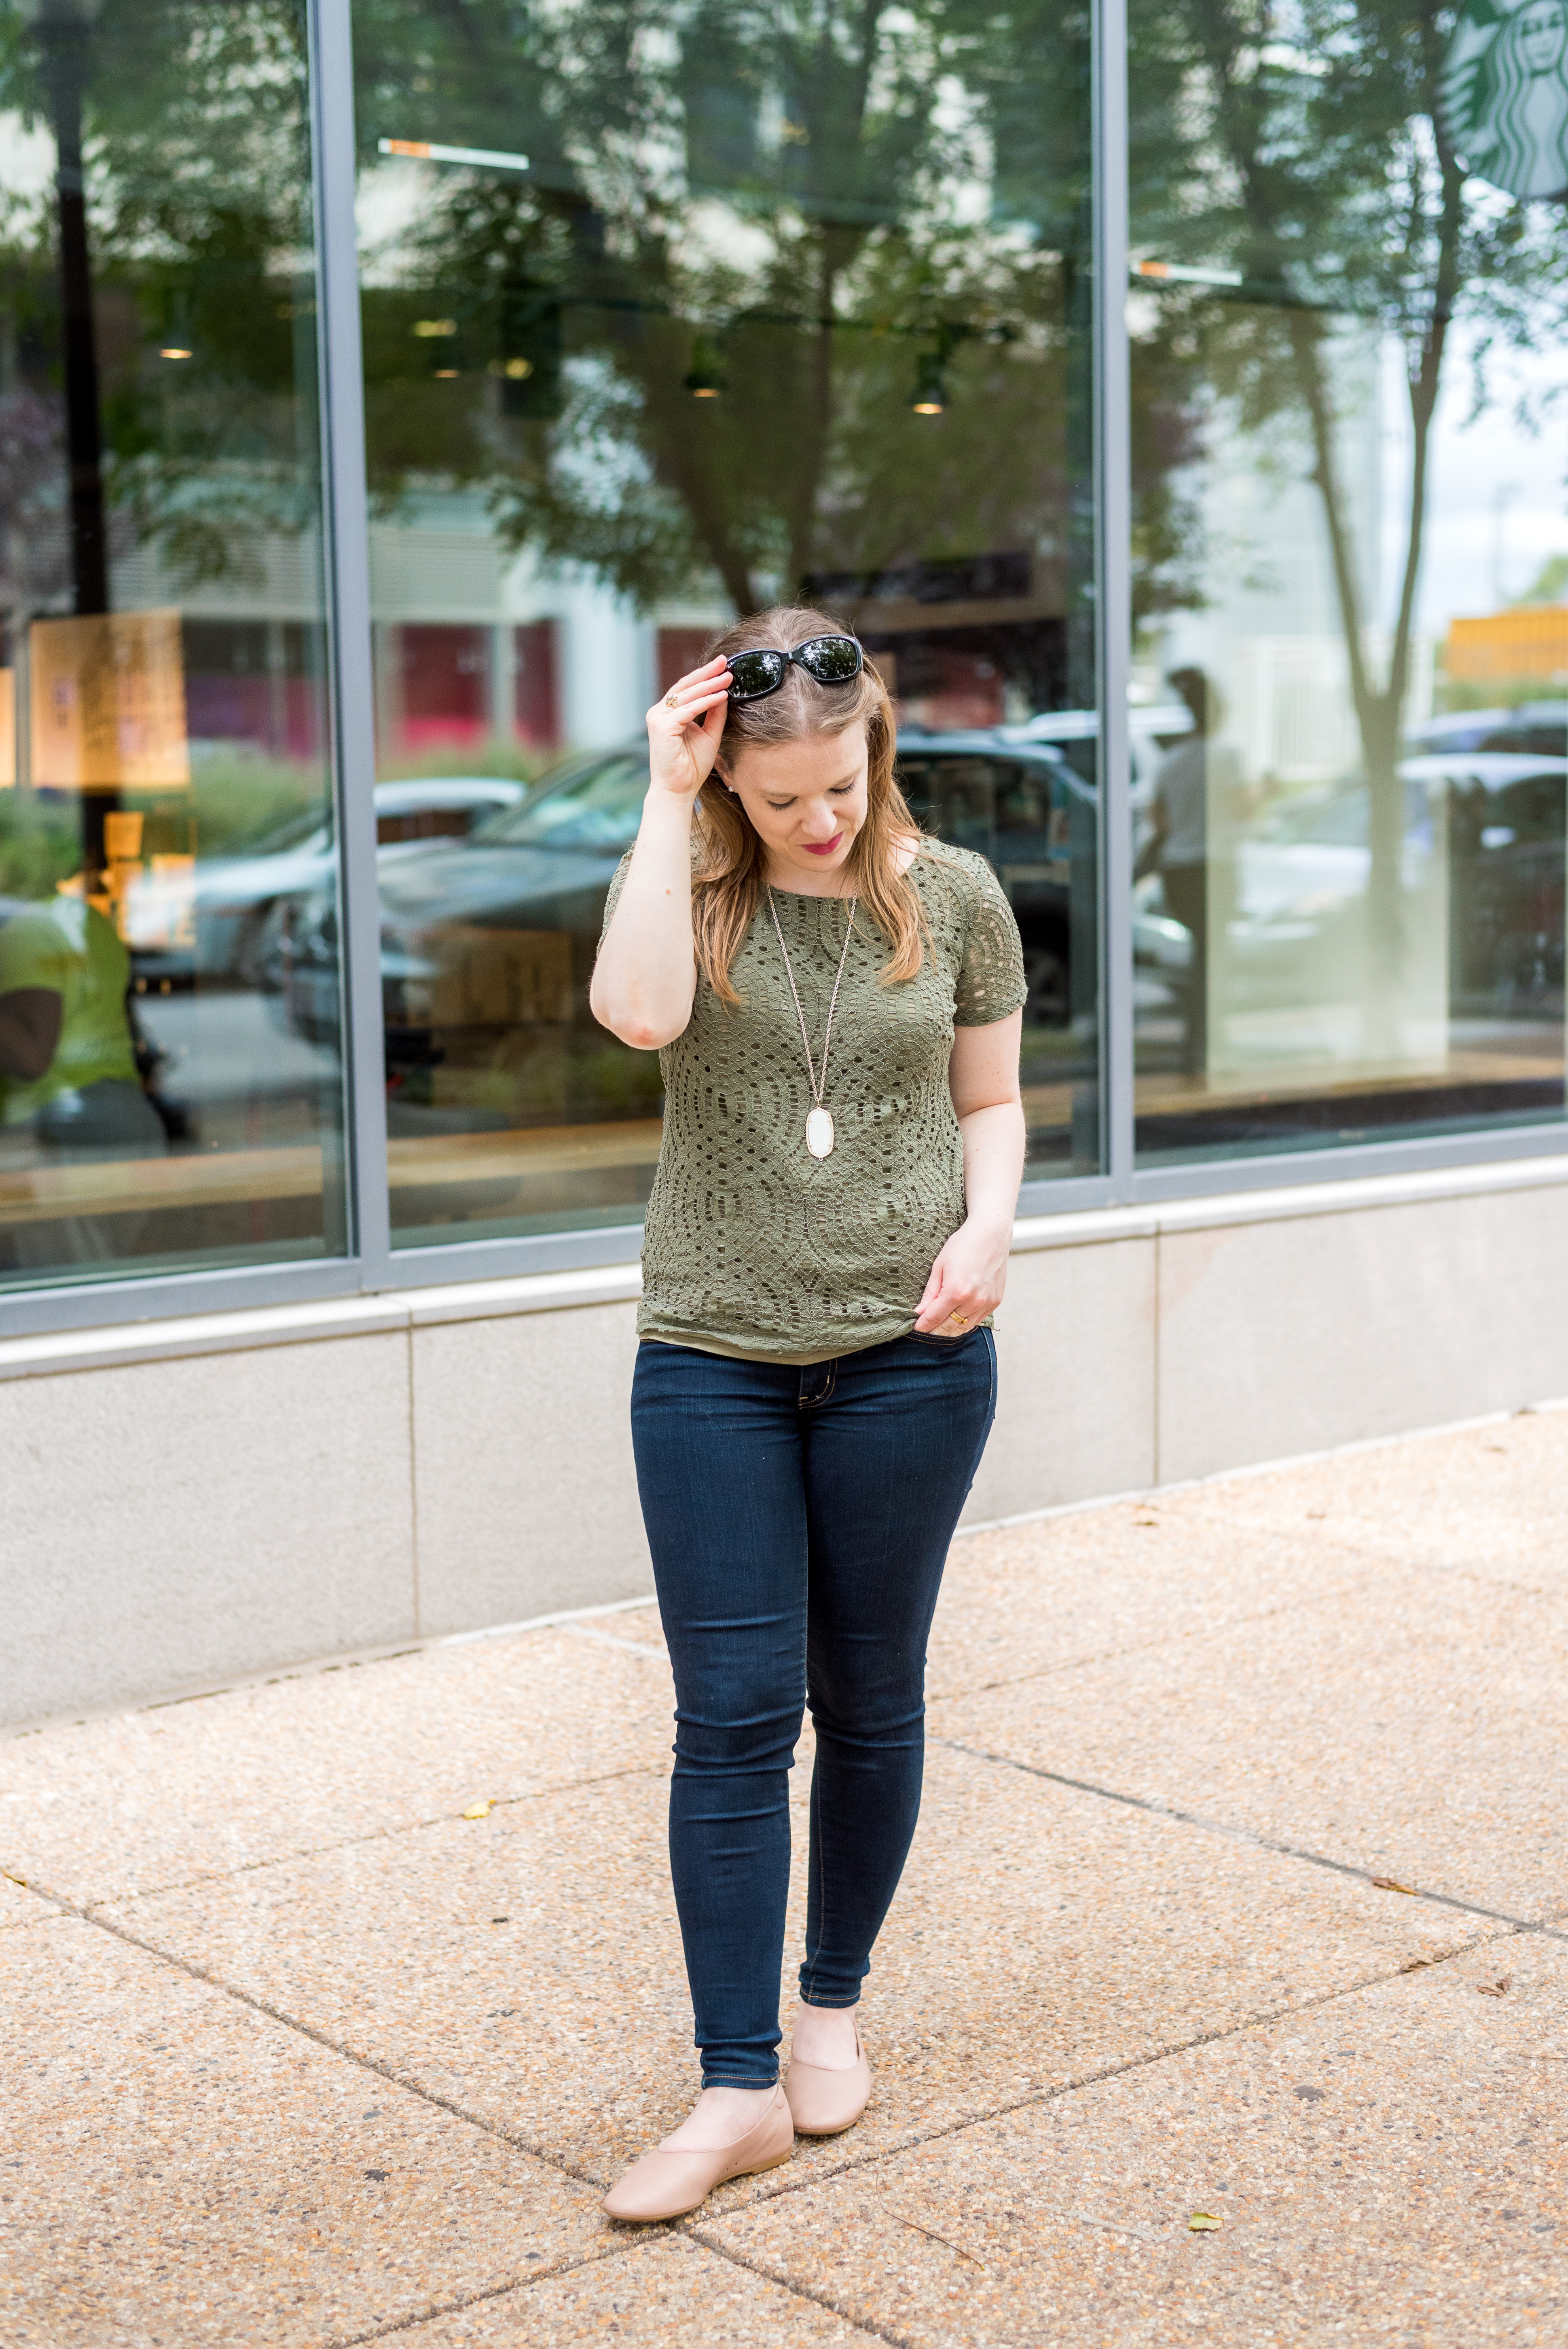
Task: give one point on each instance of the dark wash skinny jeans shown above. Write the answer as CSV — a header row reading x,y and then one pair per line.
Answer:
x,y
799,1521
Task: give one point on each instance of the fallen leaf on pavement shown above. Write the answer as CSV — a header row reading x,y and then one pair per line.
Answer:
x,y
478,1810
1203,2222
1497,1989
1392,1884
12,1877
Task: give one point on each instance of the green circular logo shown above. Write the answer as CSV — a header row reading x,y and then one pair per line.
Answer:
x,y
1505,94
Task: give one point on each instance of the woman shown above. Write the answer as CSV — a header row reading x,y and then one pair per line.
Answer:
x,y
837,1004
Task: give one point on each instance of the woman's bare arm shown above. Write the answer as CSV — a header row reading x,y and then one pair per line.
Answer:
x,y
971,1273
645,981
30,1022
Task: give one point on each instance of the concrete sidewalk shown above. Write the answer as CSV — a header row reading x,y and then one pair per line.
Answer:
x,y
1240,1889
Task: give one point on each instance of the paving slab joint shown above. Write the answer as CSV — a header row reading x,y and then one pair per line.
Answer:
x,y
707,2232
1160,1642
349,1843
866,2325
455,2307
1159,1810
776,2191
518,2142
701,2232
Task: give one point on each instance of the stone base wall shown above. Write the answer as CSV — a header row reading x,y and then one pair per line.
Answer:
x,y
190,1501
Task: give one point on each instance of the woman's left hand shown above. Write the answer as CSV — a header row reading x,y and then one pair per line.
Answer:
x,y
967,1280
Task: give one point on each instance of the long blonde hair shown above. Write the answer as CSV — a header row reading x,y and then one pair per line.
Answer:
x,y
727,887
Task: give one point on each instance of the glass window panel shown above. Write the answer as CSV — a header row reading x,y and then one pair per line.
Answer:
x,y
164,775
1350,695
663,320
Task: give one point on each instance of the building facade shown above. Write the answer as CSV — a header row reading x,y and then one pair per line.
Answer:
x,y
395,397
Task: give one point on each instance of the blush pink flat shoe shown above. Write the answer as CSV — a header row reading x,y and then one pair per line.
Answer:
x,y
667,2185
822,2102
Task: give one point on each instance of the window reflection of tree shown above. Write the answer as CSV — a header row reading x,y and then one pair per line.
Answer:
x,y
1318,169
833,193
177,222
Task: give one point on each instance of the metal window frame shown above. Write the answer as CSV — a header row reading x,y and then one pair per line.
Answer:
x,y
353,685
372,1262
160,1295
1113,498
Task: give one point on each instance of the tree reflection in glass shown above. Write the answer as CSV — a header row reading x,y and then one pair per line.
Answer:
x,y
1359,332
164,645
767,303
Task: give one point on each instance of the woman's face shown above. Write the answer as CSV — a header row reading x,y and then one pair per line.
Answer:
x,y
808,802
1542,27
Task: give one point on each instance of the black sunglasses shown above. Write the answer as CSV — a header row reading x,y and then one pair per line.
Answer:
x,y
832,660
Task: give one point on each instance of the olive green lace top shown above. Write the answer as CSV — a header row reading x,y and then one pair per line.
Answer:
x,y
754,1247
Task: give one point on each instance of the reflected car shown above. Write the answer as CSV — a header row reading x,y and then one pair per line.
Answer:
x,y
1020,801
1508,828
1531,730
486,933
482,935
1021,805
1152,729
1494,821
211,918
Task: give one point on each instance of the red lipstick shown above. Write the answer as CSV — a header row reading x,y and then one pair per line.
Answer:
x,y
822,847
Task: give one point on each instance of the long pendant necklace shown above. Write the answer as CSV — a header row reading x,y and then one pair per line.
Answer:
x,y
820,1134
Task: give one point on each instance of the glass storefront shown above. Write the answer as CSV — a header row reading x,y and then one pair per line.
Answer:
x,y
1350,673
661,325
667,313
163,709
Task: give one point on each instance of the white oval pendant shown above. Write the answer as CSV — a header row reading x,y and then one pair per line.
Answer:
x,y
819,1132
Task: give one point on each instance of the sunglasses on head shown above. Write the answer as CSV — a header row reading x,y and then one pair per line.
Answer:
x,y
832,660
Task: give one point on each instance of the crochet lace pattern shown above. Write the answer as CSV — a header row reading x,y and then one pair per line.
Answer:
x,y
751,1245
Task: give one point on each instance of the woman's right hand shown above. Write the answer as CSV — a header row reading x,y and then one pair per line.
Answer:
x,y
684,726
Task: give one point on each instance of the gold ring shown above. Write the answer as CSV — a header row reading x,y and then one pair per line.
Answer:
x,y
961,1320
669,701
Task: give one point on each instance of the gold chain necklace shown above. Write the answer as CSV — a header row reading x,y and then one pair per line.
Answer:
x,y
820,1136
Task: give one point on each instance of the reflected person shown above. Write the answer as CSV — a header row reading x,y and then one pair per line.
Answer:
x,y
68,1056
1197,794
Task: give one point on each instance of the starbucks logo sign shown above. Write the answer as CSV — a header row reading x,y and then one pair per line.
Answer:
x,y
1505,94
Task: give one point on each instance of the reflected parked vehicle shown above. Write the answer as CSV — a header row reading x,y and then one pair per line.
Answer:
x,y
212,918
1298,881
1021,806
1494,823
1022,802
482,935
1508,829
1531,730
492,935
1153,728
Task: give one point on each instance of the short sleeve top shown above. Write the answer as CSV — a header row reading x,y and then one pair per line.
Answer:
x,y
752,1247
